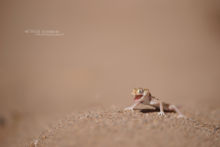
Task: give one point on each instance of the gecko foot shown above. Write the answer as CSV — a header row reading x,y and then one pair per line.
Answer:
x,y
161,113
129,109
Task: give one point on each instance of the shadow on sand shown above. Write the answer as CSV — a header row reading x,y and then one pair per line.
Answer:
x,y
153,110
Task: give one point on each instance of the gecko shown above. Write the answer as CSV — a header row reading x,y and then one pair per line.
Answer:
x,y
143,96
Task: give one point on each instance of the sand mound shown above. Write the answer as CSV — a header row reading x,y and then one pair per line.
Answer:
x,y
114,127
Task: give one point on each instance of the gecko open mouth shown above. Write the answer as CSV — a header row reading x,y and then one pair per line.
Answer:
x,y
137,97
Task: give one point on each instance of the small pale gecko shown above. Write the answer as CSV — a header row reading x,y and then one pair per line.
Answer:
x,y
143,96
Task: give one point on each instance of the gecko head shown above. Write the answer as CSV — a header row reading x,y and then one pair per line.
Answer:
x,y
139,92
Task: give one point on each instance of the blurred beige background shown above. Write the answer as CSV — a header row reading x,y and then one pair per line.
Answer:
x,y
107,48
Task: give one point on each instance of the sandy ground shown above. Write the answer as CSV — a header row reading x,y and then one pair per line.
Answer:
x,y
111,126
116,128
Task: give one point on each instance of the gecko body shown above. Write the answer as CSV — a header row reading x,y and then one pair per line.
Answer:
x,y
143,96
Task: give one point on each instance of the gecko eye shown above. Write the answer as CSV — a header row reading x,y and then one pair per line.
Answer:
x,y
140,90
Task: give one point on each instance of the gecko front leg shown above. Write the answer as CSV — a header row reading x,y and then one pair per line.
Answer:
x,y
132,106
137,102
